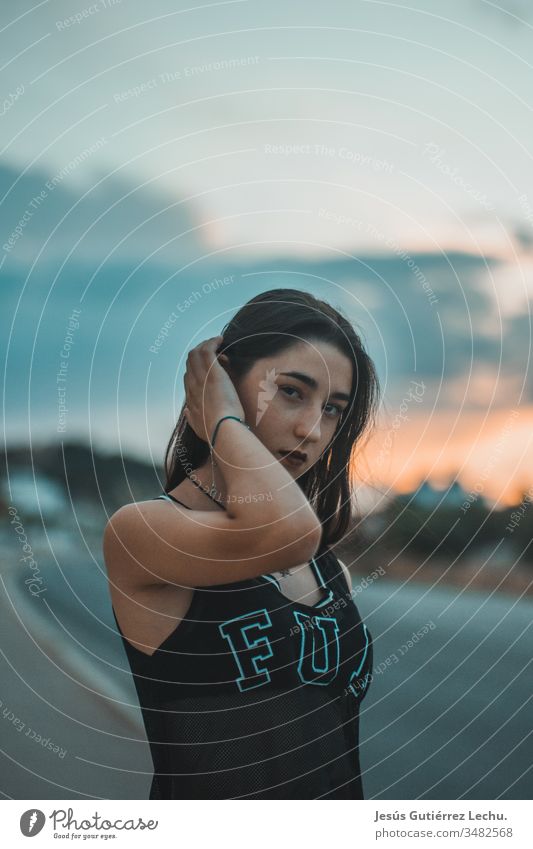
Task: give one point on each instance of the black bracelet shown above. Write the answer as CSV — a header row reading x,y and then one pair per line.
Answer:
x,y
219,423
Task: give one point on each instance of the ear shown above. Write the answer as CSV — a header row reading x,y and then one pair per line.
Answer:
x,y
224,362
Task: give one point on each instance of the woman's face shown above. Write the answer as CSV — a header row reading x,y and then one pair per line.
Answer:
x,y
293,400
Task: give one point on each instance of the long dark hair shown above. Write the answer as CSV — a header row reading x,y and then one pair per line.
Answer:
x,y
266,325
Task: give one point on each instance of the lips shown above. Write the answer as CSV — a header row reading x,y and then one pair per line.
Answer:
x,y
299,456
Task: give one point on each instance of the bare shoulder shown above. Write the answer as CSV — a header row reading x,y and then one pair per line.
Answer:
x,y
160,541
126,533
138,517
147,610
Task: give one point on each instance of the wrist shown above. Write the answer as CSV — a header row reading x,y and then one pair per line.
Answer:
x,y
220,421
213,421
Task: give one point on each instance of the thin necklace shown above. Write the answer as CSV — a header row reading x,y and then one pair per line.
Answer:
x,y
208,493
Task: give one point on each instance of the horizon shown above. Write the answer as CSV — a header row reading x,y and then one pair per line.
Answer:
x,y
380,161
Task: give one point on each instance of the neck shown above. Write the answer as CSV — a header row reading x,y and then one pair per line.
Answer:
x,y
210,478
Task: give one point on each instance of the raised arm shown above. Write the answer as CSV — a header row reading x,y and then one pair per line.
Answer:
x,y
275,528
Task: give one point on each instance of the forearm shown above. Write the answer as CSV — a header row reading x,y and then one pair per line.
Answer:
x,y
260,490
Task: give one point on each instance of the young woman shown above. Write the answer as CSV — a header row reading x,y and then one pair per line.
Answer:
x,y
248,653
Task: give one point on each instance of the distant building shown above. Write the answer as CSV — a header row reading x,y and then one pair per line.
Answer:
x,y
452,496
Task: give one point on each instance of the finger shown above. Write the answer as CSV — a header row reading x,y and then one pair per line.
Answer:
x,y
194,362
210,343
210,346
209,355
188,385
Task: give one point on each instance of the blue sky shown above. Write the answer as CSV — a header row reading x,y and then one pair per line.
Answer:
x,y
346,144
374,105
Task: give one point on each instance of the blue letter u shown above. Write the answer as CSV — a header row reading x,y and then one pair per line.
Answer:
x,y
319,654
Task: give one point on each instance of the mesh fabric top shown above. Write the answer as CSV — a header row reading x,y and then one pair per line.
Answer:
x,y
256,696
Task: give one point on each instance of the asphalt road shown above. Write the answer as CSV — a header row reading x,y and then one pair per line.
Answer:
x,y
447,717
450,716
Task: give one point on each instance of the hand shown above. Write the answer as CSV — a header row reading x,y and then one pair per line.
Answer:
x,y
209,390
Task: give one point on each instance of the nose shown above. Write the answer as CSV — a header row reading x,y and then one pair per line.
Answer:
x,y
307,427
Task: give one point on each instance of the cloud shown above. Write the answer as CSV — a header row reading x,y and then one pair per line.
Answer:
x,y
115,215
524,236
410,331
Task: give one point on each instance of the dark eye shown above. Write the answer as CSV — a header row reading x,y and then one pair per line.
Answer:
x,y
338,410
291,389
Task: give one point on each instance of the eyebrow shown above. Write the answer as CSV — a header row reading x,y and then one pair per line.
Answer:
x,y
310,381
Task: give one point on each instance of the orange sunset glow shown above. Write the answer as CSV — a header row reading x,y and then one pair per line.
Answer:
x,y
493,451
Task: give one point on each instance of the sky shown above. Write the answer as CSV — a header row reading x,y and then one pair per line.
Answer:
x,y
370,149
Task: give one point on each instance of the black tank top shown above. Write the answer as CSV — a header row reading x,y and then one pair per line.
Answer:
x,y
255,696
